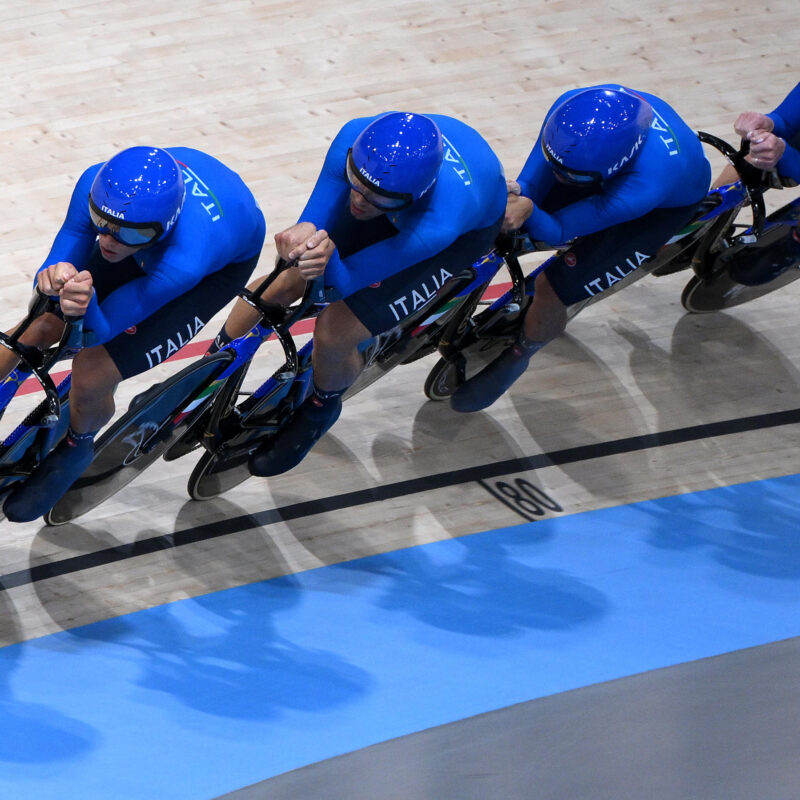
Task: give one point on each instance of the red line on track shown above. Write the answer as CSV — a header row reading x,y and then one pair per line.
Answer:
x,y
194,349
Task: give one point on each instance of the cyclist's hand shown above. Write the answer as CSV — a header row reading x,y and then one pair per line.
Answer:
x,y
751,121
76,294
288,240
518,209
513,187
766,149
51,279
313,256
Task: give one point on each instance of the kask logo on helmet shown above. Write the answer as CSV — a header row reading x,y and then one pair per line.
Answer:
x,y
172,220
625,159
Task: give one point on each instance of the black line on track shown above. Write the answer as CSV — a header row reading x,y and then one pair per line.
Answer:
x,y
389,491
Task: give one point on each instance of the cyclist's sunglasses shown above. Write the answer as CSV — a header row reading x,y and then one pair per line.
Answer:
x,y
132,234
374,195
574,176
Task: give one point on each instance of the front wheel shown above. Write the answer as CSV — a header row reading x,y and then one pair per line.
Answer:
x,y
704,297
20,457
478,346
442,380
140,436
225,468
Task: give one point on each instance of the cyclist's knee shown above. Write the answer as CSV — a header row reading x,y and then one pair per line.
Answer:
x,y
44,331
547,315
94,374
338,330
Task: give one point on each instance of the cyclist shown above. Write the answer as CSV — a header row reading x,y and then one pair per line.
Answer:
x,y
613,175
403,202
155,242
774,145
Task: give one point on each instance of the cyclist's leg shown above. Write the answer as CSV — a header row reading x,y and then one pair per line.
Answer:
x,y
336,364
73,454
336,359
544,321
594,265
286,288
165,332
342,326
42,332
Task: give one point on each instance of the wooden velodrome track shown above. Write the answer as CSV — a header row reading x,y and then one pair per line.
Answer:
x,y
264,85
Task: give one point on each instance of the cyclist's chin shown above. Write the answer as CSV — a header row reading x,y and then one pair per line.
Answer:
x,y
113,256
112,250
364,214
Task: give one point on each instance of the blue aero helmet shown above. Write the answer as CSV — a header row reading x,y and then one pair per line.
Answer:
x,y
595,133
137,196
395,160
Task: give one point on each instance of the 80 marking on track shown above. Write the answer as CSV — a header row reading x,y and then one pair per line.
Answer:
x,y
523,497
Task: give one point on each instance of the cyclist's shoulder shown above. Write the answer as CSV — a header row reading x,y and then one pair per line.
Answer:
x,y
197,164
456,131
88,175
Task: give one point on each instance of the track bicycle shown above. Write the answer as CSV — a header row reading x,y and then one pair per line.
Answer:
x,y
43,427
230,436
496,327
202,406
159,418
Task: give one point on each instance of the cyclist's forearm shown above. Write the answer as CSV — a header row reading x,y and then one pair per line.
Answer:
x,y
789,165
787,115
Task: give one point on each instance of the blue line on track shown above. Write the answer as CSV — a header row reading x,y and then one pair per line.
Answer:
x,y
203,696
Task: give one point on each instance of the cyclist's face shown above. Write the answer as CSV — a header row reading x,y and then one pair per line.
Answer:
x,y
361,208
112,250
